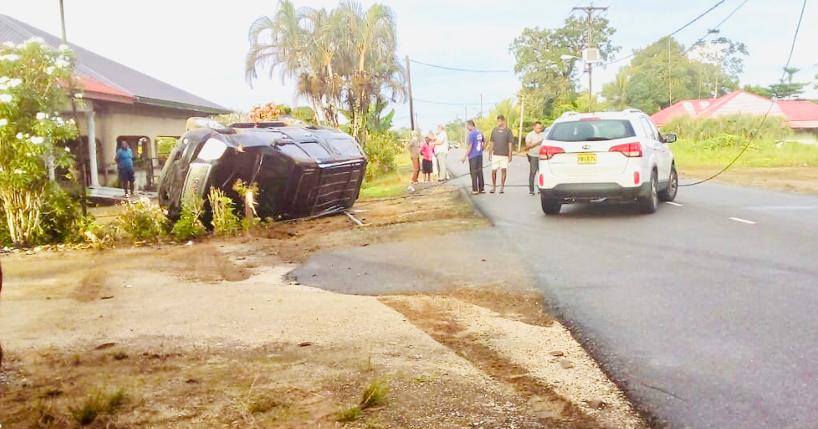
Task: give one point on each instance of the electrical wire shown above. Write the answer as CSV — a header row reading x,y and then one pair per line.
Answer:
x,y
458,69
454,103
727,18
677,31
766,114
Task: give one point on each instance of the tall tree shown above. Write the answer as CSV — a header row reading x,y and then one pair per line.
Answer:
x,y
343,59
663,73
548,81
786,88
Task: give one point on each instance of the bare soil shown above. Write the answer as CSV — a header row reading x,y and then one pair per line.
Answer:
x,y
214,335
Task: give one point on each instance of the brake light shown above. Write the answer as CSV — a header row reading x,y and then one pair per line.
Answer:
x,y
590,119
548,152
631,150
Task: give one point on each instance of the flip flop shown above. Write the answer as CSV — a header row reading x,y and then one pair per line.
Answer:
x,y
492,191
502,191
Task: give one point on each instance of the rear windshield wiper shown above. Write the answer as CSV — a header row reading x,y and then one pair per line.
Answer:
x,y
597,139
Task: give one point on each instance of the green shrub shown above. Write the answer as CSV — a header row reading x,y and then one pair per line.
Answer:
x,y
225,221
190,224
141,221
382,150
728,131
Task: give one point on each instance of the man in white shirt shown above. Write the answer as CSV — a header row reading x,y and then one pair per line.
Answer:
x,y
441,153
532,145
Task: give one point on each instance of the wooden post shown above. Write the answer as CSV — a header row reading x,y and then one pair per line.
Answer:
x,y
249,209
522,118
411,101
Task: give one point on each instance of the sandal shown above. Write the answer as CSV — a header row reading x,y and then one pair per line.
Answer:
x,y
502,190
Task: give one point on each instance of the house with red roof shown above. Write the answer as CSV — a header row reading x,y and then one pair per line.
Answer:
x,y
800,115
119,104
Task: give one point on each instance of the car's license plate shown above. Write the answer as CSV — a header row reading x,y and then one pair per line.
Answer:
x,y
586,158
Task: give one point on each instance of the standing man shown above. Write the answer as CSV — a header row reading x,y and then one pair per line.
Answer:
x,y
441,153
500,155
415,140
124,165
533,141
474,153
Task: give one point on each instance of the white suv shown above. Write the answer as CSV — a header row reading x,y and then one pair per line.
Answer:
x,y
606,156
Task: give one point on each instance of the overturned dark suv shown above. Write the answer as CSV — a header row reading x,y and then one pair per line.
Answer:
x,y
300,171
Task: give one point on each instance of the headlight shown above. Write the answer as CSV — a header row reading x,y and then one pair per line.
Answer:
x,y
212,149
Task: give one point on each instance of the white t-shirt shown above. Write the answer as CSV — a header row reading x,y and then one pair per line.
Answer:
x,y
443,141
533,137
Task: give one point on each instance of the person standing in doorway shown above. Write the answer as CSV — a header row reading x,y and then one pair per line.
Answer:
x,y
441,153
501,142
415,141
474,153
124,165
533,141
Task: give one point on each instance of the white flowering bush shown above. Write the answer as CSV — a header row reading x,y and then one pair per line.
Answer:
x,y
33,91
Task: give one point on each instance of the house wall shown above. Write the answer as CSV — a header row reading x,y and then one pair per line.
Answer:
x,y
113,120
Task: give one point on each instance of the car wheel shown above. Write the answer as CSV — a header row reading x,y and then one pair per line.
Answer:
x,y
650,202
550,206
669,194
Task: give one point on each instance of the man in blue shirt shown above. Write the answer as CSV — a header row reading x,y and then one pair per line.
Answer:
x,y
124,165
474,153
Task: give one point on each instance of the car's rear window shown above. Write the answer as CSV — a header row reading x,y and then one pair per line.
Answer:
x,y
591,130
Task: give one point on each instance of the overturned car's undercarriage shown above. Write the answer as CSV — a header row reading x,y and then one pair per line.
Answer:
x,y
300,171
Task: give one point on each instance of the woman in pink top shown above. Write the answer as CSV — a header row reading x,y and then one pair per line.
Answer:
x,y
427,150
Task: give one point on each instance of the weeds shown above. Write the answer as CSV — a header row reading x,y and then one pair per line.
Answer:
x,y
349,415
96,404
374,394
141,221
225,221
190,225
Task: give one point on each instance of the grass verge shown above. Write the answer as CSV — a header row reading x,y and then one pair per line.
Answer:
x,y
391,184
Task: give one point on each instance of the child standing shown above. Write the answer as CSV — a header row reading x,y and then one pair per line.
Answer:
x,y
427,150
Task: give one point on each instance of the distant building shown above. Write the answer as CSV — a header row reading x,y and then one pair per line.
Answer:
x,y
800,115
120,104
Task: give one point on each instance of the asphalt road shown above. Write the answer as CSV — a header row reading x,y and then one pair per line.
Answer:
x,y
706,312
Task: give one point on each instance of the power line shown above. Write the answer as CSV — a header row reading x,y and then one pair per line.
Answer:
x,y
677,31
710,31
769,109
458,69
453,103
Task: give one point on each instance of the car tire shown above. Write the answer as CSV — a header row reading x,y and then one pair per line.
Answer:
x,y
650,202
550,206
669,193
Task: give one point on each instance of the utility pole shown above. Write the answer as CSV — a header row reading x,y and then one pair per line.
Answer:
x,y
522,118
411,101
589,10
82,148
466,126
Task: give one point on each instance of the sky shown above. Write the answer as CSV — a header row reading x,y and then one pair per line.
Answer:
x,y
200,45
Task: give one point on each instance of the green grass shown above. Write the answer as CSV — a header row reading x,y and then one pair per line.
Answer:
x,y
690,154
390,184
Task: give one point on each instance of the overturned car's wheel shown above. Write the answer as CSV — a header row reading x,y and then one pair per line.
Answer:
x,y
669,193
650,202
550,206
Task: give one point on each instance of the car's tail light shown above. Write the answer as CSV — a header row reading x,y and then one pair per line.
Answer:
x,y
548,152
631,150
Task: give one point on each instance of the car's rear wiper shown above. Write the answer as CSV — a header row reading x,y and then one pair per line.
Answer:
x,y
598,139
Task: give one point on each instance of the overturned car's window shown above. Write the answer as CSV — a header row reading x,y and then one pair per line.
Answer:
x,y
315,150
591,130
346,147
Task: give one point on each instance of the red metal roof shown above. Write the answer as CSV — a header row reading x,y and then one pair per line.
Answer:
x,y
97,90
797,113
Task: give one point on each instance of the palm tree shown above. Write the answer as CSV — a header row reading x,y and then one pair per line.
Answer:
x,y
341,57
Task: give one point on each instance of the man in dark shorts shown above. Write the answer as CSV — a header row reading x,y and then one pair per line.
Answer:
x,y
500,155
124,165
474,153
533,141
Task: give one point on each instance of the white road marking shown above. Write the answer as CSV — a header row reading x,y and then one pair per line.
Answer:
x,y
674,204
781,208
738,219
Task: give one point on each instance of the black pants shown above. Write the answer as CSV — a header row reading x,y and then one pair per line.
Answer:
x,y
534,167
476,170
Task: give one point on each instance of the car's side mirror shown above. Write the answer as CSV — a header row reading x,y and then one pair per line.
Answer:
x,y
669,138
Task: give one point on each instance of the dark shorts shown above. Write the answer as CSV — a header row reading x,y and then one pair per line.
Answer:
x,y
427,166
126,176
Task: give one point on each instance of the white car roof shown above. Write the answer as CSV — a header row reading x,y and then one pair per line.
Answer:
x,y
624,114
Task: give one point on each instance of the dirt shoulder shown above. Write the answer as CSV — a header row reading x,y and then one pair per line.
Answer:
x,y
214,335
792,179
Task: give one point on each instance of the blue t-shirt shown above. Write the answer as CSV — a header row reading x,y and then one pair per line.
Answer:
x,y
476,144
124,159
